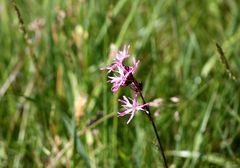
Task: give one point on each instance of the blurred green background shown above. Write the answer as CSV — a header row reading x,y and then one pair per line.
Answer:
x,y
57,109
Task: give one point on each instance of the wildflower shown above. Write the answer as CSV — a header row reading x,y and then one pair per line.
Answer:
x,y
123,75
131,108
134,67
118,60
121,72
122,55
156,103
120,80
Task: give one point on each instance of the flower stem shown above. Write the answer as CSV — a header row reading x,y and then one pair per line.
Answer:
x,y
138,89
155,131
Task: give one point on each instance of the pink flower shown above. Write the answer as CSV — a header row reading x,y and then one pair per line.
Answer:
x,y
122,55
119,80
110,68
134,67
118,60
123,74
131,108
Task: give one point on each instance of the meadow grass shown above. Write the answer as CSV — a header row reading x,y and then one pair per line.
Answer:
x,y
57,109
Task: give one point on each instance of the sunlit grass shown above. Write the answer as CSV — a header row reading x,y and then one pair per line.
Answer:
x,y
65,115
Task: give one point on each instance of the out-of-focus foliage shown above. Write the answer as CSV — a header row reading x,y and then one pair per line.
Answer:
x,y
57,110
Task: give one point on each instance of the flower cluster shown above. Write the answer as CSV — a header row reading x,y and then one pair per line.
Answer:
x,y
122,75
121,72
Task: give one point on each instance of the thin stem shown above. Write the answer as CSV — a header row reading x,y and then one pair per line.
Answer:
x,y
138,89
26,38
155,131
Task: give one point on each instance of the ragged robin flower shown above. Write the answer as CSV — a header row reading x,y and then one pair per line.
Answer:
x,y
124,76
130,108
120,56
120,71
